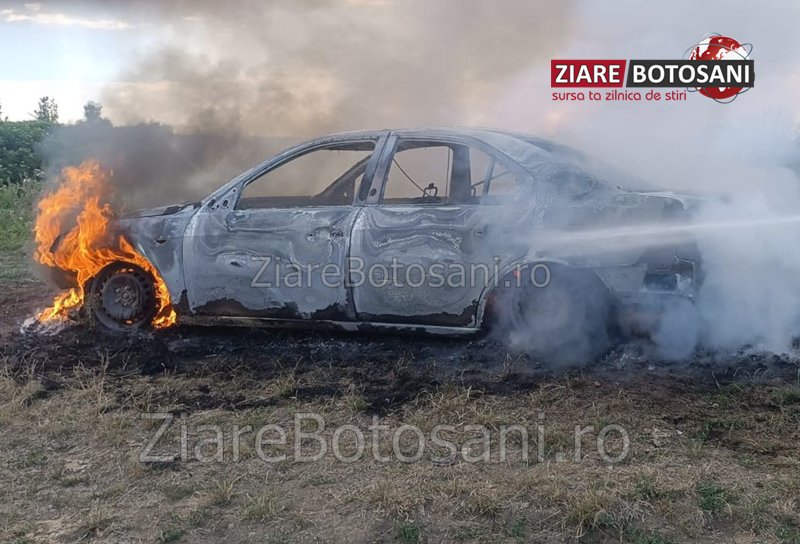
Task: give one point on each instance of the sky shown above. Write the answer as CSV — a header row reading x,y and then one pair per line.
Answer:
x,y
66,54
303,67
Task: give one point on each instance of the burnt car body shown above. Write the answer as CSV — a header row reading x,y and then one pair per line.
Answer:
x,y
497,199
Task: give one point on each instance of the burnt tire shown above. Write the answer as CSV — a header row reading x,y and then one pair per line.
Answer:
x,y
565,320
122,298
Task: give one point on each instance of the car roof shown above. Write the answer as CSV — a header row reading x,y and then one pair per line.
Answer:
x,y
531,152
474,132
522,148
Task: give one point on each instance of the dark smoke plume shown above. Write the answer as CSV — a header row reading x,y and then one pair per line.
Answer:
x,y
153,165
304,68
228,84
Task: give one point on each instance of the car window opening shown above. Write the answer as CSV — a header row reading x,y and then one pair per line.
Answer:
x,y
326,176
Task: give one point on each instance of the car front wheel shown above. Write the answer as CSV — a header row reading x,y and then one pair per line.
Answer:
x,y
122,297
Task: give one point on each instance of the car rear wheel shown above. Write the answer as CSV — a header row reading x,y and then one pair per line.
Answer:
x,y
565,320
122,297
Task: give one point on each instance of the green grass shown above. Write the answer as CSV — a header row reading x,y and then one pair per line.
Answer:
x,y
789,535
16,214
16,267
262,508
17,203
717,426
785,396
171,533
35,458
714,499
408,532
518,528
646,489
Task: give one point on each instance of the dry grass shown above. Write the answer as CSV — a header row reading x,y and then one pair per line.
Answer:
x,y
263,508
716,467
223,491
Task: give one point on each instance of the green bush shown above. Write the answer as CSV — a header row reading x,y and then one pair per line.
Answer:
x,y
16,213
19,157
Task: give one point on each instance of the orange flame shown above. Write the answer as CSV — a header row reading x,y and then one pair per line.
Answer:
x,y
72,233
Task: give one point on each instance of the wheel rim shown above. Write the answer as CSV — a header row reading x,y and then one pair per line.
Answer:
x,y
125,297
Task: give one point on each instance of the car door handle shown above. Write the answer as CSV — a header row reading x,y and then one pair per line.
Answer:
x,y
333,234
235,217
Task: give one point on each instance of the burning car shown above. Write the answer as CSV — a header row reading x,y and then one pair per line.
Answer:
x,y
432,230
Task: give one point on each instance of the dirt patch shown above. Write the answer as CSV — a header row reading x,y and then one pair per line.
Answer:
x,y
18,301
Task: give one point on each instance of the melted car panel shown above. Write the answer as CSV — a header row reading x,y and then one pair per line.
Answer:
x,y
267,261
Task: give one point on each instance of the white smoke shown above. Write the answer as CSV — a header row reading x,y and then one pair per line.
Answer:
x,y
745,153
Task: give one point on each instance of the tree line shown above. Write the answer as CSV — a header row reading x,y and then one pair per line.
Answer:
x,y
21,157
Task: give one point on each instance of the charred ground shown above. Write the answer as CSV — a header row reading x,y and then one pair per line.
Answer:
x,y
714,442
390,370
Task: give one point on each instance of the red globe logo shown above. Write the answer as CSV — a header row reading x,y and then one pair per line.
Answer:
x,y
718,47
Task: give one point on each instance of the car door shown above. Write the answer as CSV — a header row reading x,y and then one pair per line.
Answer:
x,y
275,245
431,239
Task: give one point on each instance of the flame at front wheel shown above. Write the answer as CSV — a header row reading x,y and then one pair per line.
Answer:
x,y
74,233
